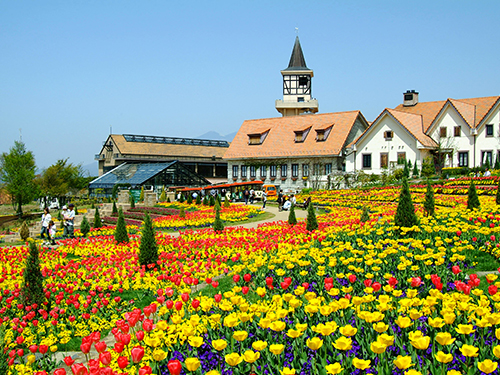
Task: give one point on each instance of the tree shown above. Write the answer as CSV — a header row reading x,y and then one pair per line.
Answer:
x,y
226,203
365,215
121,234
141,195
24,231
312,223
472,199
85,226
406,170
428,168
17,172
97,219
497,199
148,249
32,290
132,201
218,224
114,211
211,201
163,197
292,219
405,213
415,170
429,200
189,199
182,212
198,200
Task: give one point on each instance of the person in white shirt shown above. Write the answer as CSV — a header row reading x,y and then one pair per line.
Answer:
x,y
264,200
287,205
70,220
46,217
293,199
487,173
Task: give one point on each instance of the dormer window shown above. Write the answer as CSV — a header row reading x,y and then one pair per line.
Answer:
x,y
389,134
322,134
301,135
257,138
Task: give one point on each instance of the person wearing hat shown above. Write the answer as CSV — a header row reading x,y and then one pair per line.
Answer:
x,y
69,220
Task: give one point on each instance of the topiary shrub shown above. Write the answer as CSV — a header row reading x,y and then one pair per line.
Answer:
x,y
415,171
121,235
405,213
168,200
148,249
132,201
429,200
218,224
32,290
205,200
312,223
189,199
182,212
198,199
24,231
226,203
97,219
141,196
182,199
472,199
428,167
498,194
115,210
163,196
85,226
292,219
211,201
365,215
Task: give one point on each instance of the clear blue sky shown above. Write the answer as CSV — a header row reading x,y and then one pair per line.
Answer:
x,y
71,69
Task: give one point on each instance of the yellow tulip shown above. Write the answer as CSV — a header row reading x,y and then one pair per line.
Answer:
x,y
403,322
496,351
334,368
348,330
278,326
413,372
380,327
162,325
469,350
53,348
403,362
287,371
195,341
293,333
453,372
414,335
444,338
276,349
233,359
421,343
361,364
159,355
449,318
240,335
265,323
219,344
31,358
343,343
465,329
315,343
386,339
259,345
250,356
377,347
436,322
443,358
301,326
192,364
487,366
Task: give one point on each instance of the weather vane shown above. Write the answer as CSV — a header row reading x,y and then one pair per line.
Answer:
x,y
297,31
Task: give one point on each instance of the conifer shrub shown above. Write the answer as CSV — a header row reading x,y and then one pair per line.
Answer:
x,y
85,226
182,212
198,199
24,231
365,215
132,201
32,290
406,170
97,219
312,222
218,224
415,171
472,198
226,203
182,198
189,199
121,235
292,219
205,200
497,199
163,196
428,167
211,201
148,249
168,200
115,209
141,196
405,213
429,200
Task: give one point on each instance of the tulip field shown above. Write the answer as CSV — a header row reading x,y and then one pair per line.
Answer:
x,y
351,297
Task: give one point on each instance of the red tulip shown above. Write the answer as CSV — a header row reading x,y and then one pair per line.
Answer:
x,y
100,346
185,297
459,233
105,358
416,281
137,353
352,278
245,290
170,304
195,304
305,285
147,325
68,361
178,305
79,369
376,286
218,298
269,281
175,367
122,362
139,335
392,281
60,371
208,280
455,270
247,277
215,284
492,289
236,278
119,346
33,348
145,370
368,282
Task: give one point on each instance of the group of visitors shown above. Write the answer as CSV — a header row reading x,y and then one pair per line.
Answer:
x,y
49,228
286,202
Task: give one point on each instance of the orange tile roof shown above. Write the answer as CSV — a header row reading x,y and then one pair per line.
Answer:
x,y
167,150
414,124
280,141
428,111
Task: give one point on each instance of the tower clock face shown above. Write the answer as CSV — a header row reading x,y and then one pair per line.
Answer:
x,y
296,84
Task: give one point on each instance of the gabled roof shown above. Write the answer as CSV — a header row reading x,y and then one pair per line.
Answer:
x,y
280,141
129,144
297,60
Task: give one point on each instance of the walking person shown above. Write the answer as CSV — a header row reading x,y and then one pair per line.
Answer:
x,y
46,217
70,221
52,233
246,194
280,200
65,226
264,200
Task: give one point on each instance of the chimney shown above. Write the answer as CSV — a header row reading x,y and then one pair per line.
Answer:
x,y
410,98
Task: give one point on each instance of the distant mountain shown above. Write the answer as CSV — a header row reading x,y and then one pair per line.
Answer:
x,y
216,136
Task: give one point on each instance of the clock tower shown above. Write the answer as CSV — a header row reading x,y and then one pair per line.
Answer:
x,y
297,87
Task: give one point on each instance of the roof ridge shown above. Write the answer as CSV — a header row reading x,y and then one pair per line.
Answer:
x,y
303,116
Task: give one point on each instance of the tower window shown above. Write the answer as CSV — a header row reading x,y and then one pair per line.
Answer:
x,y
303,81
300,99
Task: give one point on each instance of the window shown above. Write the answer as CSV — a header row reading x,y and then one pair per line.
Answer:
x,y
284,169
252,171
457,131
295,170
489,130
272,170
300,135
442,132
235,171
300,99
263,171
328,168
303,81
257,138
463,158
384,160
243,171
486,156
322,134
316,169
388,134
367,161
401,158
305,170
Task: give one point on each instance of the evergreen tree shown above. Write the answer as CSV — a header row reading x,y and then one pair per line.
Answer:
x,y
97,219
415,170
211,201
226,203
405,213
85,226
312,223
218,224
141,196
472,199
121,234
168,200
428,167
132,201
115,210
182,212
148,249
163,196
498,194
292,219
205,200
32,290
24,231
76,210
406,171
198,199
365,215
410,166
182,199
189,199
429,200
497,162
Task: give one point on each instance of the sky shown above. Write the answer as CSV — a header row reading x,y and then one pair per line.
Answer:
x,y
72,71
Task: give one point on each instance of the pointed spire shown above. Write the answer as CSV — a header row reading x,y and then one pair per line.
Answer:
x,y
297,60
